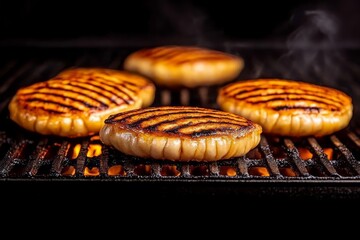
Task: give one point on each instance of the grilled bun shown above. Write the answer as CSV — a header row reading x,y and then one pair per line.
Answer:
x,y
76,102
180,133
288,108
182,66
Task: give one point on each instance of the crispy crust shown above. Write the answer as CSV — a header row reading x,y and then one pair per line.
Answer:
x,y
180,133
288,108
76,102
180,66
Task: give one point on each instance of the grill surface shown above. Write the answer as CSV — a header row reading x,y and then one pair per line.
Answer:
x,y
276,166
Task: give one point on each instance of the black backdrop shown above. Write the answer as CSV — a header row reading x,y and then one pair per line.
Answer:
x,y
229,19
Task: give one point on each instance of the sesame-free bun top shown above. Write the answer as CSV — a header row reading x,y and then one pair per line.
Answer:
x,y
184,66
288,108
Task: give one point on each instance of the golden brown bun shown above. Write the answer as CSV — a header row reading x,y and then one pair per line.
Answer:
x,y
76,102
288,108
180,133
180,66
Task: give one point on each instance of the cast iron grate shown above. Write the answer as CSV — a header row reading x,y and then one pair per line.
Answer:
x,y
27,156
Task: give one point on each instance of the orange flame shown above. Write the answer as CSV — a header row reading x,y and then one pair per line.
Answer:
x,y
94,150
76,151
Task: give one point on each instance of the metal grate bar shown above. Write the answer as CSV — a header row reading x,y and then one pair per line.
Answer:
x,y
165,97
103,161
129,168
11,158
37,158
270,160
58,161
81,159
184,97
214,169
354,138
204,98
322,157
347,154
156,169
243,169
293,152
185,170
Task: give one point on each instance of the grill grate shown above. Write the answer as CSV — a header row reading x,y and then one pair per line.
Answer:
x,y
27,156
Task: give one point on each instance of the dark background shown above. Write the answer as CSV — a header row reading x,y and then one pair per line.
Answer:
x,y
200,20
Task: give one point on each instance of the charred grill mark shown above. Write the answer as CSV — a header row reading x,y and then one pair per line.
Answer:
x,y
239,95
157,120
188,121
288,94
113,88
200,129
50,111
117,87
151,113
290,101
101,91
185,121
180,55
304,108
162,53
40,102
48,95
209,132
74,94
200,58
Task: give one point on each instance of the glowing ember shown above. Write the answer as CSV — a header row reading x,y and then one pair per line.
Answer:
x,y
91,172
144,170
95,138
228,171
259,171
305,154
289,172
169,170
68,171
199,170
116,170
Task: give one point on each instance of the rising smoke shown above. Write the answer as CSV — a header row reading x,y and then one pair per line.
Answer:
x,y
312,47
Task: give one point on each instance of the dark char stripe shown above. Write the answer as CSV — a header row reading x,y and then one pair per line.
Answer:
x,y
32,100
103,105
308,109
166,112
115,87
321,94
207,131
202,116
331,106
